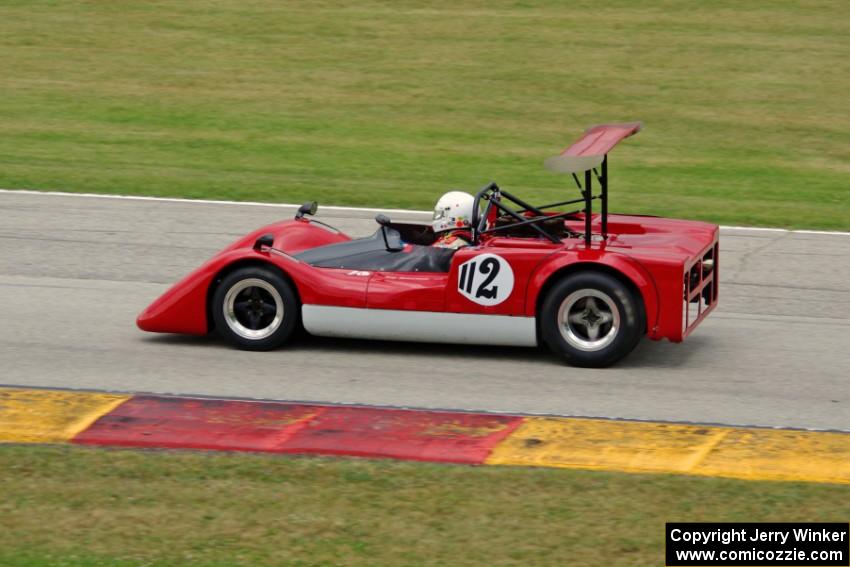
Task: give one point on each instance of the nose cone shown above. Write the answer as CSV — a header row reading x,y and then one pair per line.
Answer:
x,y
154,318
145,321
181,309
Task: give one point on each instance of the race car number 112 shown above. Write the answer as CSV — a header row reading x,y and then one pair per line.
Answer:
x,y
486,279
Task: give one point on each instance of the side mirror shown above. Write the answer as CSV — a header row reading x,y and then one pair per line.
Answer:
x,y
266,240
308,208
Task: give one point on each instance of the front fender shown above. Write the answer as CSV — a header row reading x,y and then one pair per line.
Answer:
x,y
183,308
293,236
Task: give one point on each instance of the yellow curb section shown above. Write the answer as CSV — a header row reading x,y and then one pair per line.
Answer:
x,y
758,454
42,416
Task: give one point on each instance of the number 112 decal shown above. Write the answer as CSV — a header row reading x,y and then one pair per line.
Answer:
x,y
486,279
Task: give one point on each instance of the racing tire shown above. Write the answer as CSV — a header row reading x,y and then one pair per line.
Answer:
x,y
592,319
255,308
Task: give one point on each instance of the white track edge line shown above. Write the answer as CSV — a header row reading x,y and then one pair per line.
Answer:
x,y
340,208
200,201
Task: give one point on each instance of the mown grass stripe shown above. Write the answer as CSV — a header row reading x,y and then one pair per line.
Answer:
x,y
376,108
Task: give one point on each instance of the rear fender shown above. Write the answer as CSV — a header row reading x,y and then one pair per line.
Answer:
x,y
618,265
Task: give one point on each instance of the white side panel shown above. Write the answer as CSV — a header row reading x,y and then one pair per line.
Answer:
x,y
419,326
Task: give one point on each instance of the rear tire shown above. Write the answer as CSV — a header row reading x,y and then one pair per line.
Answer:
x,y
255,308
592,319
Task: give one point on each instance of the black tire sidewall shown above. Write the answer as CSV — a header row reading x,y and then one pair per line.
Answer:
x,y
627,301
291,308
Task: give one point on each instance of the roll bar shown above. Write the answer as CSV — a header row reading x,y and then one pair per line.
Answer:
x,y
584,156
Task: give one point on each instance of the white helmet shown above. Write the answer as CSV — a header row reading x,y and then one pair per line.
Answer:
x,y
453,211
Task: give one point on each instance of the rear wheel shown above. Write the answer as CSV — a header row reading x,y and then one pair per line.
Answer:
x,y
592,319
255,308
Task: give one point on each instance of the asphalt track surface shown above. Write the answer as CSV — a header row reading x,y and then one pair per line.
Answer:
x,y
75,271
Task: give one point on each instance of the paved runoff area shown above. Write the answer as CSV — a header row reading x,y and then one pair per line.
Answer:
x,y
85,418
75,271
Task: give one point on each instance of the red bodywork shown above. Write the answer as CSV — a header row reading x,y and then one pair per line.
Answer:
x,y
672,263
656,255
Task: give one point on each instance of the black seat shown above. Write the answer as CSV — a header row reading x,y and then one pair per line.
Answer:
x,y
371,253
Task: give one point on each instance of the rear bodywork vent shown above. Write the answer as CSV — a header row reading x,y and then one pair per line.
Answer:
x,y
700,283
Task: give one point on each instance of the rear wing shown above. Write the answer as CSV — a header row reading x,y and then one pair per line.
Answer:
x,y
585,156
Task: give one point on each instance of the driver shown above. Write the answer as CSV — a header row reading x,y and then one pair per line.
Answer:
x,y
452,219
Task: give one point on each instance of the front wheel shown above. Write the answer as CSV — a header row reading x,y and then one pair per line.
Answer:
x,y
255,308
592,319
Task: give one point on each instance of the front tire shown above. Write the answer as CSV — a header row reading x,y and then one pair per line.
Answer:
x,y
255,308
592,319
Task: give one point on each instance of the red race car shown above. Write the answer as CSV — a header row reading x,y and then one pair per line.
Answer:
x,y
587,284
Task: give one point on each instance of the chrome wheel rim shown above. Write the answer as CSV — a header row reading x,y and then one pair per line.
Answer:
x,y
253,309
588,320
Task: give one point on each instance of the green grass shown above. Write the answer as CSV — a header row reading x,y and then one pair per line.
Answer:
x,y
392,103
74,506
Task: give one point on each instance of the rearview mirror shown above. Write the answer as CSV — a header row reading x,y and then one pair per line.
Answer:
x,y
308,208
266,240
